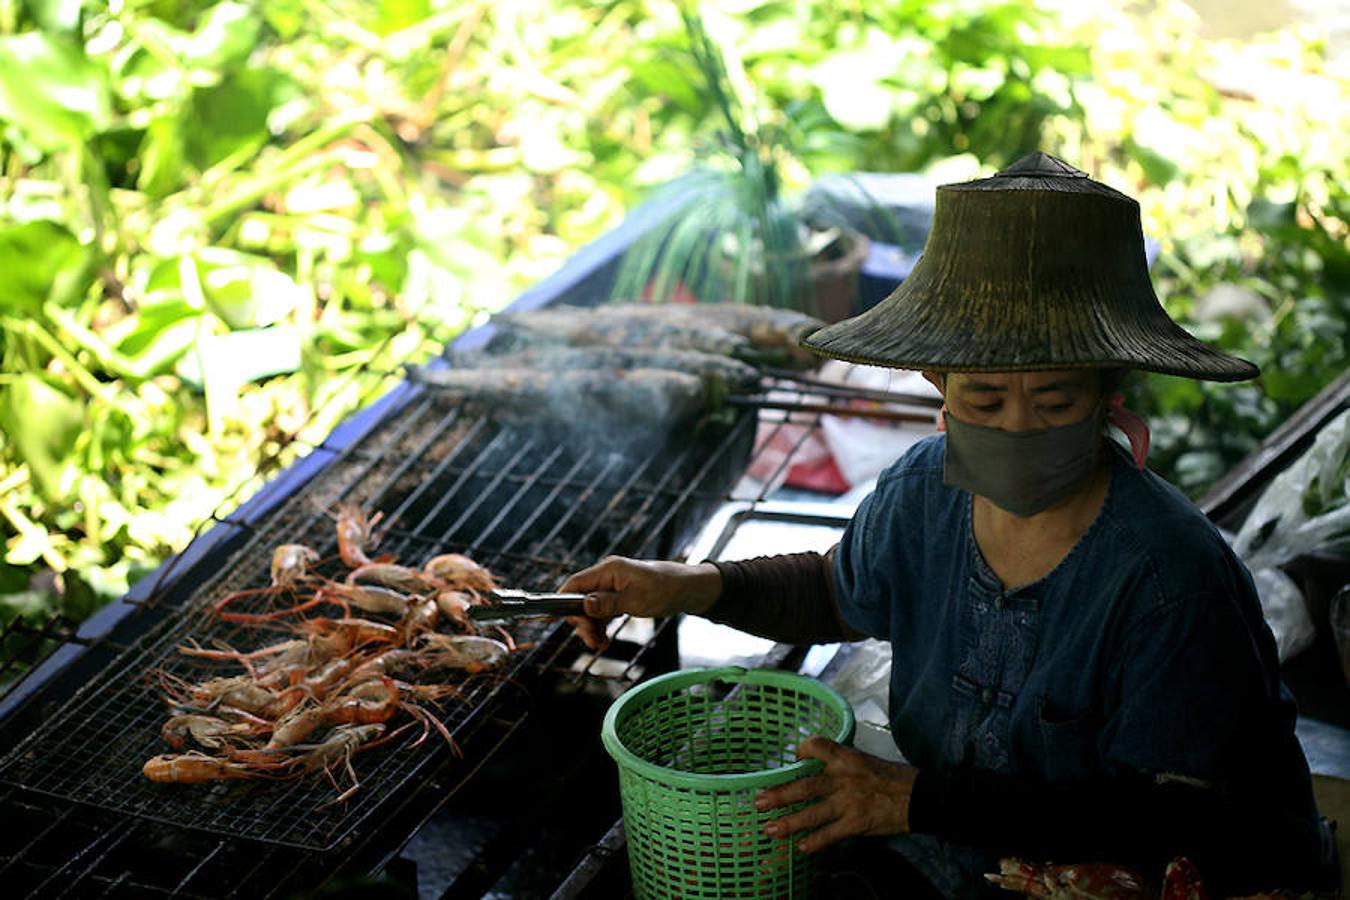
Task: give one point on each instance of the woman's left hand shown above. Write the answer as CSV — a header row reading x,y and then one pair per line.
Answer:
x,y
857,794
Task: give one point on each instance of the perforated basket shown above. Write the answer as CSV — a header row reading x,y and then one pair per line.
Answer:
x,y
693,749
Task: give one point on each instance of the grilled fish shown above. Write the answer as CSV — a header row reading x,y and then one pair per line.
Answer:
x,y
753,333
576,395
732,373
615,326
765,327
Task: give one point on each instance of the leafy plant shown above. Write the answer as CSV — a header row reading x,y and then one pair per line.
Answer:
x,y
731,231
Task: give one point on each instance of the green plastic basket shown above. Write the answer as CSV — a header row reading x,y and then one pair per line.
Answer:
x,y
693,749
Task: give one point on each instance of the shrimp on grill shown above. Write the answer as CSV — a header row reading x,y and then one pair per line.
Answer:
x,y
206,731
365,597
291,564
454,605
234,692
355,533
297,725
470,652
337,750
290,569
331,638
403,579
193,768
455,571
422,616
397,660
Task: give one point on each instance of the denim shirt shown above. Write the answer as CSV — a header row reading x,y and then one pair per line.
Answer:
x,y
1143,650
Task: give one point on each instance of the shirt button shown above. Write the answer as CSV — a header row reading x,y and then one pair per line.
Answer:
x,y
987,695
998,602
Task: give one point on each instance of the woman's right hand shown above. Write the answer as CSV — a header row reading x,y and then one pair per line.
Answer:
x,y
647,588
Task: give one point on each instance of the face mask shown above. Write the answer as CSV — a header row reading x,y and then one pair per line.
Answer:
x,y
1024,472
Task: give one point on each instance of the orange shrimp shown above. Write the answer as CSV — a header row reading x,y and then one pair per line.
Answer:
x,y
365,704
297,725
291,564
354,532
395,577
454,605
385,662
192,768
220,608
208,731
455,570
423,614
365,597
469,652
338,637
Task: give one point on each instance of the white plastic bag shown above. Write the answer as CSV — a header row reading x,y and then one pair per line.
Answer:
x,y
1285,612
1304,509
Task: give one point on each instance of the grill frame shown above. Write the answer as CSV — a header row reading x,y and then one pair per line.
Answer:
x,y
447,481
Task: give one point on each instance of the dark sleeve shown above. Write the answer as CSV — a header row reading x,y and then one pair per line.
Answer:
x,y
788,598
1135,821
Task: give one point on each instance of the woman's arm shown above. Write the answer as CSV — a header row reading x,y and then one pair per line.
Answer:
x,y
784,598
788,598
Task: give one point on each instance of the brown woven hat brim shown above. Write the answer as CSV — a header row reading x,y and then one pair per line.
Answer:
x,y
1028,274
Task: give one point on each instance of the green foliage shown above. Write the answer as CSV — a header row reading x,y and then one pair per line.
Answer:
x,y
224,225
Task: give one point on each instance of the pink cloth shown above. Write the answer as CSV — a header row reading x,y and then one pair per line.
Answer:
x,y
1135,428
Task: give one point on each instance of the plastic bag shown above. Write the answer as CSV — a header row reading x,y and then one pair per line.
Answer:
x,y
1304,509
1282,606
1285,612
865,682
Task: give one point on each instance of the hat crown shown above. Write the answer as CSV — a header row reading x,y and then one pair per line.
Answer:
x,y
1041,165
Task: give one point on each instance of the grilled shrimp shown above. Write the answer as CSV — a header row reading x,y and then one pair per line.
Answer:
x,y
365,704
192,768
208,731
297,725
387,662
291,564
366,597
423,614
403,579
331,638
239,692
1104,881
470,652
454,605
457,572
354,532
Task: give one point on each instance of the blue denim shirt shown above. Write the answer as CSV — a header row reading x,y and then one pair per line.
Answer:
x,y
1143,650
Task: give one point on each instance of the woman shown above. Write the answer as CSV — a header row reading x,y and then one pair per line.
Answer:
x,y
1080,667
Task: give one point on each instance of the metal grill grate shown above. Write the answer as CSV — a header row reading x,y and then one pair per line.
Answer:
x,y
532,504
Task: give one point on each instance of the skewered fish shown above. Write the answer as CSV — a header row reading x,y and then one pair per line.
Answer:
x,y
732,373
755,333
626,395
617,326
765,327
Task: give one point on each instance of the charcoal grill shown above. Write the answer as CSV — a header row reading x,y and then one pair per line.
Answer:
x,y
532,502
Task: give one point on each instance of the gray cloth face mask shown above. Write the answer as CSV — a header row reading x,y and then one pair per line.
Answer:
x,y
1024,472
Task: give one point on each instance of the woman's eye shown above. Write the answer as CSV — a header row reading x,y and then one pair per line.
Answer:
x,y
987,408
1058,407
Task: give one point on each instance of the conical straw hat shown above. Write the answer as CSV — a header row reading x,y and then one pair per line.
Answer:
x,y
1037,267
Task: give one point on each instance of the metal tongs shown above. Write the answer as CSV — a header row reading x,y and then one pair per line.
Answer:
x,y
507,603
